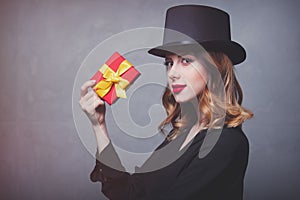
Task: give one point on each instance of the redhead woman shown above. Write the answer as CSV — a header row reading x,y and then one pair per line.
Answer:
x,y
206,120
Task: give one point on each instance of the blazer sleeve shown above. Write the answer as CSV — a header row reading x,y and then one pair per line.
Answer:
x,y
219,175
117,184
202,178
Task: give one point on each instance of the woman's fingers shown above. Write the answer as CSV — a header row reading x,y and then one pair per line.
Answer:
x,y
92,97
90,100
87,96
94,101
85,86
92,105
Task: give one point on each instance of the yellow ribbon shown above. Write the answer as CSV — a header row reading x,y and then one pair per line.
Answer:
x,y
113,78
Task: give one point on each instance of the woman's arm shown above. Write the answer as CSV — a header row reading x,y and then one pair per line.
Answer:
x,y
116,182
108,163
101,135
110,172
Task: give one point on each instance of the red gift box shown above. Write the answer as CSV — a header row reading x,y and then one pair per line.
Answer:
x,y
113,77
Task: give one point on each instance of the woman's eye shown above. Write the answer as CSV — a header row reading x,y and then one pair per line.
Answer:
x,y
168,63
186,60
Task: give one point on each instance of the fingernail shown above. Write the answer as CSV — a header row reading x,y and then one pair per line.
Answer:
x,y
93,81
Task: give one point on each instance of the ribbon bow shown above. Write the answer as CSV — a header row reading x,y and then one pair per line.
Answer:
x,y
113,78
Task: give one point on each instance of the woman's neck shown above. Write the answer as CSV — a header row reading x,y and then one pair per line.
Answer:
x,y
191,110
192,133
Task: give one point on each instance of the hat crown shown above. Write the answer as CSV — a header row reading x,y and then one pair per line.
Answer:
x,y
201,23
196,28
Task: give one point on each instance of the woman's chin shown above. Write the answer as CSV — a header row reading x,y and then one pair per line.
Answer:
x,y
182,100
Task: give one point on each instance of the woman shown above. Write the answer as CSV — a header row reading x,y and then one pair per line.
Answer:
x,y
195,105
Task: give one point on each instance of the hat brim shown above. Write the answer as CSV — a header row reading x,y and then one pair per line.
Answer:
x,y
233,50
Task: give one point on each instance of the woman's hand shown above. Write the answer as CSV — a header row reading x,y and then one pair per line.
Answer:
x,y
92,104
94,108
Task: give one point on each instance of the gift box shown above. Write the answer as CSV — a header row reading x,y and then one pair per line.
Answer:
x,y
114,77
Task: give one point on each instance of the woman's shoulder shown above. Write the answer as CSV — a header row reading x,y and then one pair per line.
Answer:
x,y
233,138
225,141
234,134
227,135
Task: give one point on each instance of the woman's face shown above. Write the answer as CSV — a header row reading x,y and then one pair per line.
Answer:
x,y
186,76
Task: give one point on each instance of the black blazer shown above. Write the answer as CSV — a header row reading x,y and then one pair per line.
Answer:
x,y
217,176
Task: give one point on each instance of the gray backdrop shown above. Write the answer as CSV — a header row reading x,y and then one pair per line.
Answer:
x,y
43,44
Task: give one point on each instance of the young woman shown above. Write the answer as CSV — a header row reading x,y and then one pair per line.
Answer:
x,y
194,107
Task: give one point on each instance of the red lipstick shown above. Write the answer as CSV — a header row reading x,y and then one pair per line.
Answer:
x,y
178,88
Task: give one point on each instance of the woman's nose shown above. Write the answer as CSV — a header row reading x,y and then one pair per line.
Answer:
x,y
173,74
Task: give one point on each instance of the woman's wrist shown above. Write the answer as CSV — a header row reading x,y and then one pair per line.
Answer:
x,y
96,122
101,134
101,125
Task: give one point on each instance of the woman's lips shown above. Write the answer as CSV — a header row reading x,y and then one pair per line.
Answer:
x,y
178,88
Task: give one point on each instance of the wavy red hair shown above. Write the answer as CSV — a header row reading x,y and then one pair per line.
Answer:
x,y
214,110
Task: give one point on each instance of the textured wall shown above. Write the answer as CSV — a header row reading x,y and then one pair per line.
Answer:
x,y
43,44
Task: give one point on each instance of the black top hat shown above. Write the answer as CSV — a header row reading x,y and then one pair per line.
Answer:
x,y
207,26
